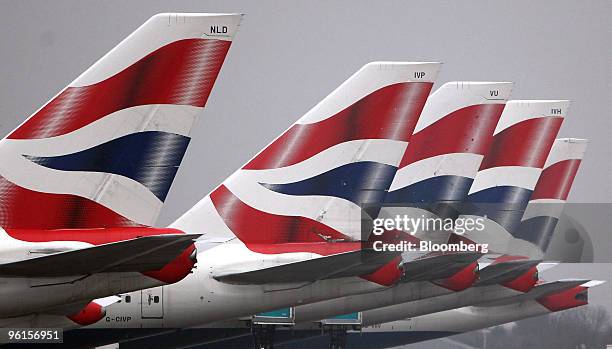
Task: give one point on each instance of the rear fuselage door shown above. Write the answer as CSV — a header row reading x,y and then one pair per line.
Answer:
x,y
152,305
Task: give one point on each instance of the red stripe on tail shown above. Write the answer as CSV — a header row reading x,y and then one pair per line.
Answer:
x,y
525,144
376,116
28,209
252,226
556,180
442,137
172,74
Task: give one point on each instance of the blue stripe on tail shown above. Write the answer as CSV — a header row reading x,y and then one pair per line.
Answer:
x,y
363,183
432,190
151,158
537,230
504,204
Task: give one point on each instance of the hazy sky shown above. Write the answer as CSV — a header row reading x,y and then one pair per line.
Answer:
x,y
288,55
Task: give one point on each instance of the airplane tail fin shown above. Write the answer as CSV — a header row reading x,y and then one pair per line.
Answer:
x,y
449,141
105,150
549,197
533,233
453,133
510,170
311,182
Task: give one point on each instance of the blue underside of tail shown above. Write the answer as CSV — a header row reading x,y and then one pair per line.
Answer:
x,y
432,190
363,183
537,230
151,158
504,204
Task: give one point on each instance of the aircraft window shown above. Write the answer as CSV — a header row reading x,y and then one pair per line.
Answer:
x,y
128,299
156,299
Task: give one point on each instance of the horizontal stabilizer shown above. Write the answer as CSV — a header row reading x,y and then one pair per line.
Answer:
x,y
437,267
354,263
542,267
505,271
107,301
541,290
142,254
72,308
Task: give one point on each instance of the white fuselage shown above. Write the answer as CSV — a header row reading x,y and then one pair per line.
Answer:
x,y
464,319
24,296
399,302
200,299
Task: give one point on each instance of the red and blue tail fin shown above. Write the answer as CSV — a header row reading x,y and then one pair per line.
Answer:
x,y
548,198
105,150
310,183
449,142
453,133
511,168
